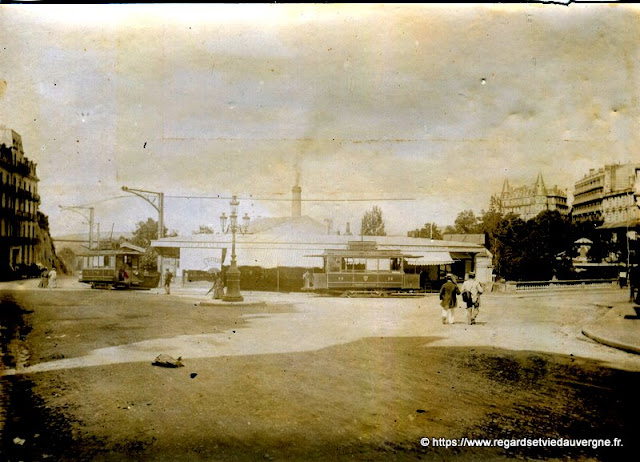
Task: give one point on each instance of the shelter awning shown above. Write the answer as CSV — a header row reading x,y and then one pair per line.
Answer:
x,y
433,258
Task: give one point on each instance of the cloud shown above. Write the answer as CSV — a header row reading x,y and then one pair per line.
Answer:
x,y
435,103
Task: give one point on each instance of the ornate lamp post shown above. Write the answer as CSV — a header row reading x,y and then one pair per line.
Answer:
x,y
233,275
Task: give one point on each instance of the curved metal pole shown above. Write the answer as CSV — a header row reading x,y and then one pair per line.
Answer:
x,y
149,196
144,194
88,218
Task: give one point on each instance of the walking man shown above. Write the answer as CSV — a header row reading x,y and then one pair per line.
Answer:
x,y
471,290
448,299
167,281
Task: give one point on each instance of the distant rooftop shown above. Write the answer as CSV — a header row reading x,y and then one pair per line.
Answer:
x,y
473,238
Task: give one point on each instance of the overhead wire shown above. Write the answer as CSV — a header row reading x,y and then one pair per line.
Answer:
x,y
258,198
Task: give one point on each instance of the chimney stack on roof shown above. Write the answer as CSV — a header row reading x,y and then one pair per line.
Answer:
x,y
296,201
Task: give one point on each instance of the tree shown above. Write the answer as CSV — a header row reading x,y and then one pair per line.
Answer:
x,y
488,222
372,223
146,231
143,235
450,230
68,258
510,234
467,223
549,238
495,204
429,231
531,250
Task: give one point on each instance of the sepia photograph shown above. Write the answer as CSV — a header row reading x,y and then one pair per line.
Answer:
x,y
320,232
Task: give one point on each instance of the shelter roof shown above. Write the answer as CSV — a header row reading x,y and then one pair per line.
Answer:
x,y
314,243
303,225
474,238
291,238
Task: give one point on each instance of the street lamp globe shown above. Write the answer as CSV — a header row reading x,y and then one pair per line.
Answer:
x,y
245,222
223,222
234,205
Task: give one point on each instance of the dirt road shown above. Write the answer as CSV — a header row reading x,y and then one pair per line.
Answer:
x,y
308,378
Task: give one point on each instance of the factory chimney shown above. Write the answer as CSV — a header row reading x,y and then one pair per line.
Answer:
x,y
296,201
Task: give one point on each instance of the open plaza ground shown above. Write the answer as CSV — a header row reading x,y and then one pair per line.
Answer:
x,y
304,377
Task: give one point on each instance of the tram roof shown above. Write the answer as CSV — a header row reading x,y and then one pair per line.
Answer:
x,y
379,253
91,253
126,248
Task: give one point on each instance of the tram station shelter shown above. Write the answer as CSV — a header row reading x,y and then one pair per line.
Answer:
x,y
276,252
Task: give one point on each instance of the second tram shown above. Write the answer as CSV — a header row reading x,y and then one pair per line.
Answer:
x,y
364,270
117,269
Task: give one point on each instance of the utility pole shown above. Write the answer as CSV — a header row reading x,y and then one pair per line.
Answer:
x,y
156,199
76,209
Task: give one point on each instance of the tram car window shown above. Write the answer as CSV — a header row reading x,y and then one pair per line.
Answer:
x,y
384,264
333,264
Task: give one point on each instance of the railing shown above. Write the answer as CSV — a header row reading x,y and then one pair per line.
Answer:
x,y
527,286
20,193
24,168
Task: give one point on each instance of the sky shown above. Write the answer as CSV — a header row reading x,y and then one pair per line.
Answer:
x,y
421,110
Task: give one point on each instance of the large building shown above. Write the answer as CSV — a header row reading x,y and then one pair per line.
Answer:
x,y
529,201
20,200
275,252
607,195
24,234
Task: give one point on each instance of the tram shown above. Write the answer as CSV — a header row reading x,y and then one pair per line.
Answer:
x,y
364,270
117,269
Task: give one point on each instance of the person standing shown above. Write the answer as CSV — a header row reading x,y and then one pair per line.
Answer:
x,y
213,286
306,277
168,275
472,290
218,292
44,278
53,278
448,299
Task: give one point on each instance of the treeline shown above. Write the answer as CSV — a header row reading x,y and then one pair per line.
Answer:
x,y
535,249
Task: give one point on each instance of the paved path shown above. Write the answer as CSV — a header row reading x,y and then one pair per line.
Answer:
x,y
545,322
618,328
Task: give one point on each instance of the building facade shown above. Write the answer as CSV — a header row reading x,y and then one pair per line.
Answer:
x,y
19,203
529,201
25,243
606,194
619,208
